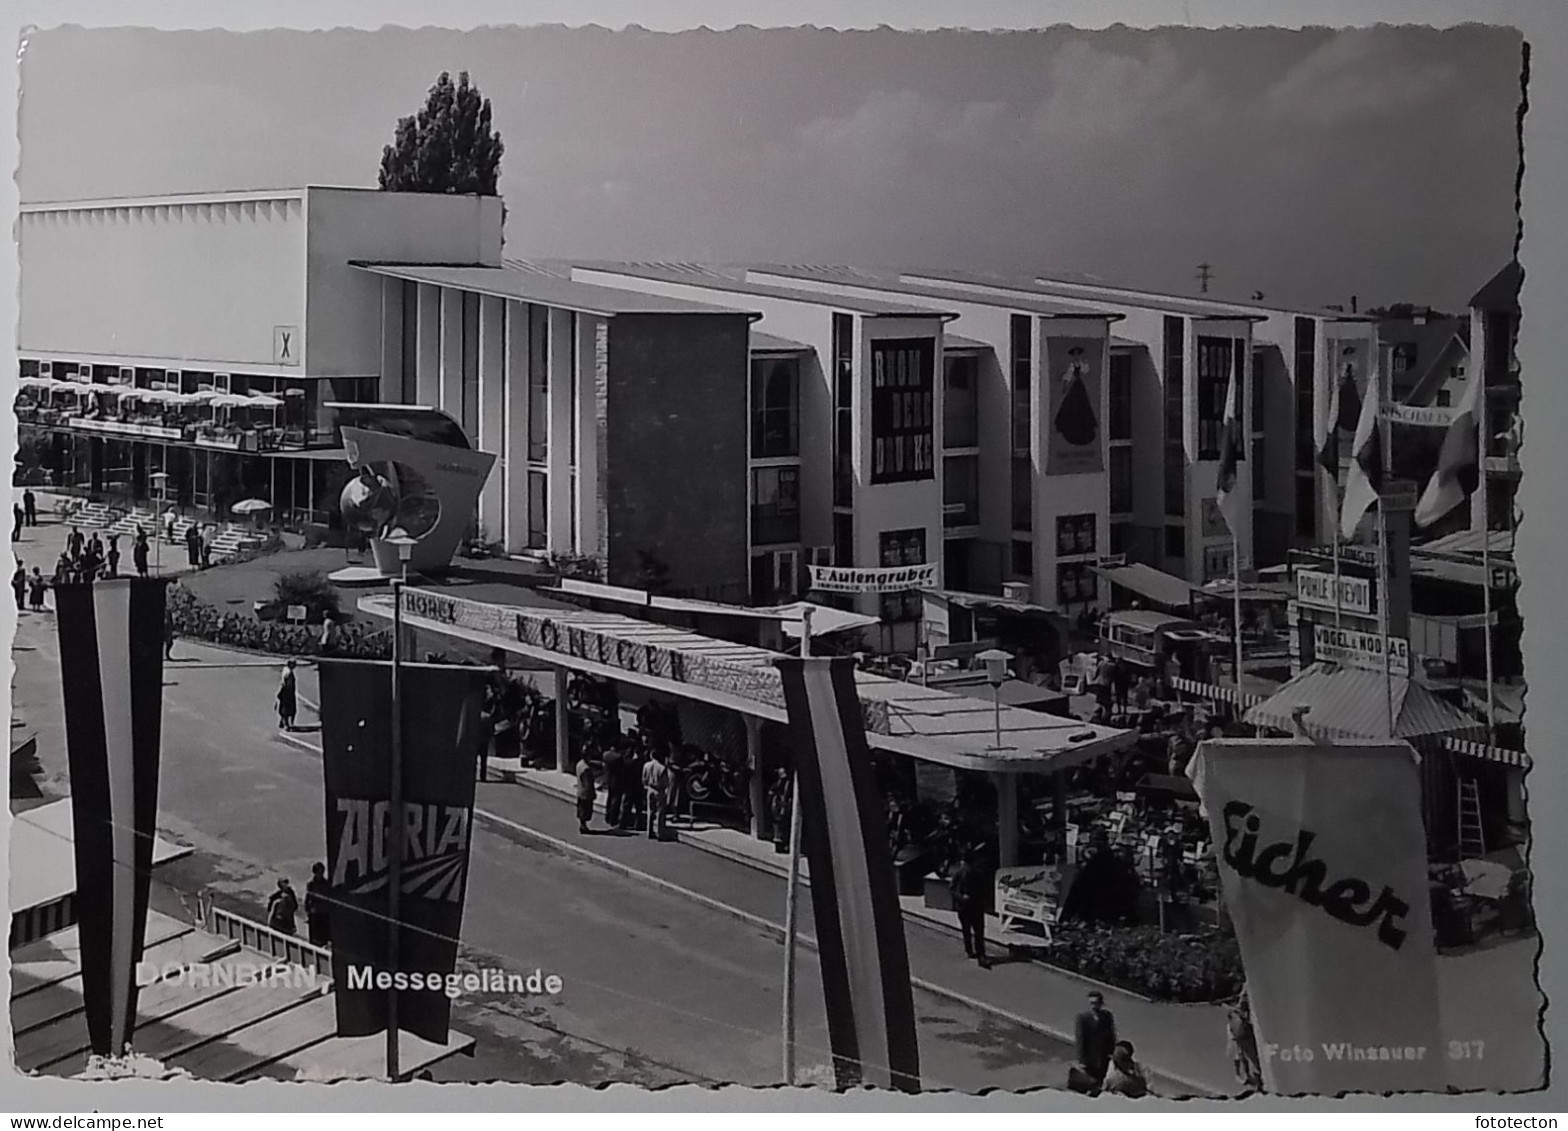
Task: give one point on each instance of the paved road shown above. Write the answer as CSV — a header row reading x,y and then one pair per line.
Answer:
x,y
658,989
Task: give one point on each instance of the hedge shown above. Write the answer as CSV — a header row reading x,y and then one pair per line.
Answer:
x,y
1201,967
194,619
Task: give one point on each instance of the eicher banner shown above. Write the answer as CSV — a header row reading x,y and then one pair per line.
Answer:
x,y
1322,859
1073,410
442,737
111,675
893,579
854,899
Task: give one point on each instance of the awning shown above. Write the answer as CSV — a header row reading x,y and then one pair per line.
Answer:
x,y
1217,693
1146,581
957,343
762,342
1487,753
965,600
1351,703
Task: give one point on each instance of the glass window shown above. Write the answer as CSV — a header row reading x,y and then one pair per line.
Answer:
x,y
538,384
1121,480
1023,558
1306,375
903,433
1023,493
1444,398
775,407
902,548
1075,534
1306,508
1076,584
1214,374
1121,395
410,359
1021,327
1121,537
1175,481
961,404
538,510
470,414
775,505
961,491
844,539
1259,478
1176,542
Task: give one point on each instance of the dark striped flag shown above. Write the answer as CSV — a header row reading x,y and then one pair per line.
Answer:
x,y
1233,504
1364,485
860,925
1342,415
111,672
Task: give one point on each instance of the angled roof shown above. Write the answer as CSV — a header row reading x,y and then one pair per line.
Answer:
x,y
1158,586
771,343
957,343
525,283
1429,342
1502,289
719,279
1046,290
904,284
1350,703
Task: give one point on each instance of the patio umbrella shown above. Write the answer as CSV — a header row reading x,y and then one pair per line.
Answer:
x,y
229,400
262,400
250,506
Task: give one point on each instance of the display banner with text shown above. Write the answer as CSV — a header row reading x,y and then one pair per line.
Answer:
x,y
1322,859
1362,650
893,579
442,737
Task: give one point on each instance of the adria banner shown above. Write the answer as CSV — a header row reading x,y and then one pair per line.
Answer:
x,y
1322,861
893,579
441,744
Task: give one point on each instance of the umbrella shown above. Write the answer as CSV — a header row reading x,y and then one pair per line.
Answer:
x,y
250,506
228,400
262,400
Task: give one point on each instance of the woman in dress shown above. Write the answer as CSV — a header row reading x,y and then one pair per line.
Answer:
x,y
288,698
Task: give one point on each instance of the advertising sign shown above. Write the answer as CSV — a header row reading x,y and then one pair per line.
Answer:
x,y
1073,438
1028,903
892,579
1322,858
1424,415
442,737
1360,649
1316,589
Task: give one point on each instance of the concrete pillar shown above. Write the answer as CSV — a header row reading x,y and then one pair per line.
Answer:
x,y
391,341
591,372
1006,818
563,746
562,427
512,470
492,410
427,339
451,355
757,787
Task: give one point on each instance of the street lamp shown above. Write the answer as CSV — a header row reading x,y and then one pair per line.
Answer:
x,y
161,482
996,661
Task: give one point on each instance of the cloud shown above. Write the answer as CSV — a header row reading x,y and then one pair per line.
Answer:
x,y
1097,94
1356,76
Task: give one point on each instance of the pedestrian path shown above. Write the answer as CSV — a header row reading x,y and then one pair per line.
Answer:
x,y
1184,1043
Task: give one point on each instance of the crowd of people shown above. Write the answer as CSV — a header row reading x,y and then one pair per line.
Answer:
x,y
283,907
642,778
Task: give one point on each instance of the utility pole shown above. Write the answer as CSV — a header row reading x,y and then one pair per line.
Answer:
x,y
1205,273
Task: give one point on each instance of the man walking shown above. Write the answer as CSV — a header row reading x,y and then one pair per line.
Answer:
x,y
282,908
1096,1038
73,544
193,546
288,697
968,887
19,587
30,507
139,552
586,793
656,786
614,783
316,903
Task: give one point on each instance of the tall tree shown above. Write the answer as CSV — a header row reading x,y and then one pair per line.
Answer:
x,y
448,146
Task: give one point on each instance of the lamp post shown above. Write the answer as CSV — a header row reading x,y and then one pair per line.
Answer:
x,y
996,661
161,482
996,673
405,550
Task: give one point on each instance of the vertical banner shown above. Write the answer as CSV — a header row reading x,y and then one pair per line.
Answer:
x,y
442,738
1322,858
860,925
1073,410
111,674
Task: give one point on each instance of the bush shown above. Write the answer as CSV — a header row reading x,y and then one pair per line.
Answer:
x,y
197,620
311,590
1200,967
575,567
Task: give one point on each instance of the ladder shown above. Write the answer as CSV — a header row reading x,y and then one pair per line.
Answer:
x,y
1472,840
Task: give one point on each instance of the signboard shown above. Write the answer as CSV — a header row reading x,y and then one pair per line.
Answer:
x,y
891,579
1072,379
285,345
1316,589
1398,500
1360,649
1028,903
297,613
1322,859
1428,415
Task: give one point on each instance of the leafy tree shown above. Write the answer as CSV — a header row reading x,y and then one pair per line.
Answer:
x,y
448,147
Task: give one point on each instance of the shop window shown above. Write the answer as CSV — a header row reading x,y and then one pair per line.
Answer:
x,y
1075,534
775,505
902,548
903,432
960,401
775,408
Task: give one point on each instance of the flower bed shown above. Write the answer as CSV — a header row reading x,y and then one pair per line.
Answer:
x,y
197,620
1167,967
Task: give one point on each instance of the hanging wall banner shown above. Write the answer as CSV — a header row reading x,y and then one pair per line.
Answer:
x,y
1073,437
893,579
1322,858
441,742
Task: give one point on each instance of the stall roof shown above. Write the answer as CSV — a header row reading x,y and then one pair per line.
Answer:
x,y
824,618
922,722
242,1030
1468,542
1250,591
1351,703
1160,587
44,838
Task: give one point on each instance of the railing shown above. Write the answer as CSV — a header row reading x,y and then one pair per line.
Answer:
x,y
264,940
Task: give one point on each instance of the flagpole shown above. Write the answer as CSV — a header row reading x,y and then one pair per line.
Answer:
x,y
1386,458
1235,568
792,890
395,829
1486,563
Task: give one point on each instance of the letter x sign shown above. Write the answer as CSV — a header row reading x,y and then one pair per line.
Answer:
x,y
285,345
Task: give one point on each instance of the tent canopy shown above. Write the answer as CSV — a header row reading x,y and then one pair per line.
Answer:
x,y
1162,588
1351,703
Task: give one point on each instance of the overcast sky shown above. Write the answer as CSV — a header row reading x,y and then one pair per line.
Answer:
x,y
1310,165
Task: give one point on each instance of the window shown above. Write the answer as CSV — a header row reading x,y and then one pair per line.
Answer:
x,y
902,548
1121,480
1021,328
1176,542
1076,584
1404,357
960,402
775,505
1259,375
843,401
1306,508
1075,534
1216,563
538,510
1175,343
1306,375
1023,493
903,433
1121,395
1175,481
843,539
1259,478
1444,398
410,378
470,360
1121,537
775,407
775,576
960,491
1218,360
538,384
1023,558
